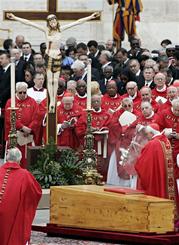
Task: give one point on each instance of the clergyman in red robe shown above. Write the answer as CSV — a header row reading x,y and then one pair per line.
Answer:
x,y
19,197
155,166
26,123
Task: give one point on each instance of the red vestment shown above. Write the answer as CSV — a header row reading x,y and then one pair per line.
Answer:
x,y
81,101
111,102
68,136
120,137
155,169
167,119
154,105
156,93
42,111
20,194
100,119
165,106
115,126
137,99
146,120
25,116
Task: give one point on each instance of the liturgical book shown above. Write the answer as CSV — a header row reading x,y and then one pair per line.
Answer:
x,y
126,191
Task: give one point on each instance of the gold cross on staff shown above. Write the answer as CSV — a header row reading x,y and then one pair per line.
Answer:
x,y
52,9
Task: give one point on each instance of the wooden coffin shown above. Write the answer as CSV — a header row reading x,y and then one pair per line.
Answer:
x,y
93,208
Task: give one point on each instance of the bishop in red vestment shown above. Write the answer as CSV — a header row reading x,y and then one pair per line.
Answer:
x,y
19,197
115,126
25,117
81,95
161,88
100,118
155,167
146,95
147,116
111,100
68,114
172,94
169,119
42,110
132,93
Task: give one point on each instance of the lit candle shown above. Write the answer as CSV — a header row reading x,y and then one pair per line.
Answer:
x,y
12,83
89,85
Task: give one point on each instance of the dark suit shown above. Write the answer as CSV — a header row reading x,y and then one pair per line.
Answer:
x,y
28,62
95,61
122,87
138,79
102,83
4,96
4,87
20,67
152,85
121,66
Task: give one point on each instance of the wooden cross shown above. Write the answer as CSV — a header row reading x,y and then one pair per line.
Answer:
x,y
52,9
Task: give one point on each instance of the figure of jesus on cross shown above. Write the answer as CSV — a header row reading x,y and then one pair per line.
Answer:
x,y
53,39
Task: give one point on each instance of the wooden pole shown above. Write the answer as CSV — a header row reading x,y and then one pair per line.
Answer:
x,y
113,16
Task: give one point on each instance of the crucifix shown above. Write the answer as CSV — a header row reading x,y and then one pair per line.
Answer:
x,y
51,9
53,55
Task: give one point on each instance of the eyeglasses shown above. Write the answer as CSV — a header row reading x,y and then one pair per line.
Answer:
x,y
127,105
22,92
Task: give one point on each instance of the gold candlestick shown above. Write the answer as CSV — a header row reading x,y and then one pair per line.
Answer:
x,y
90,173
13,132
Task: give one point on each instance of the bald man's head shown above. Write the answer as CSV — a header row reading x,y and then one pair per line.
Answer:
x,y
131,88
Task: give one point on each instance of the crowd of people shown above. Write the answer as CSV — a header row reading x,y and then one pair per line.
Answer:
x,y
129,88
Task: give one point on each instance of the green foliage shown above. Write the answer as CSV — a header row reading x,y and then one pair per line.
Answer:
x,y
56,167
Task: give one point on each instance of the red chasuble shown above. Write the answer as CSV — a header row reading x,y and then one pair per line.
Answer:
x,y
100,120
19,197
165,106
81,101
155,169
156,93
137,99
167,119
146,120
68,136
154,105
111,102
25,116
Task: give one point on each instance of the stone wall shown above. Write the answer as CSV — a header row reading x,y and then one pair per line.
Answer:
x,y
159,20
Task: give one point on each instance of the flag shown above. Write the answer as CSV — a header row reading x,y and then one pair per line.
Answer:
x,y
126,14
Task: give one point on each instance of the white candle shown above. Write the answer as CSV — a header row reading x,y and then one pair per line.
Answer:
x,y
12,84
89,85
